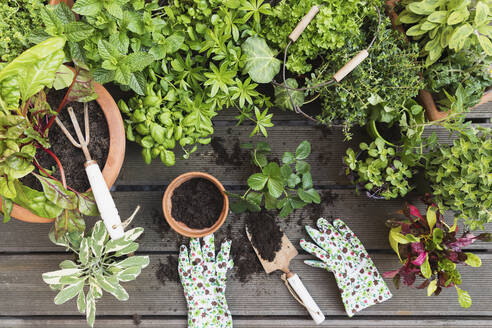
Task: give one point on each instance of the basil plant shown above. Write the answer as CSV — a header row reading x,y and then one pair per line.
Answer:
x,y
101,265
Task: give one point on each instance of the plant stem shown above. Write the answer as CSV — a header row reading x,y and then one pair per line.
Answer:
x,y
52,119
60,167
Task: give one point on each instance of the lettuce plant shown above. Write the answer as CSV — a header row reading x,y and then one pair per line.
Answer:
x,y
286,188
101,264
431,249
25,119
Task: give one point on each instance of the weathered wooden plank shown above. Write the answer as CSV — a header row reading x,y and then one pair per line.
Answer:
x,y
365,216
482,111
20,281
245,322
328,149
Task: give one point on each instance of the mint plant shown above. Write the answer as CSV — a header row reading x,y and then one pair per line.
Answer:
x,y
459,175
438,25
184,61
430,249
379,169
286,188
101,265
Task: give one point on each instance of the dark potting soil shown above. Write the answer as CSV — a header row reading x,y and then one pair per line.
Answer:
x,y
197,203
266,235
316,211
168,271
72,158
237,158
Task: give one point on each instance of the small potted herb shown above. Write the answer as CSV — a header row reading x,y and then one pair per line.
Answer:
x,y
381,170
33,183
430,249
459,176
195,204
285,188
100,264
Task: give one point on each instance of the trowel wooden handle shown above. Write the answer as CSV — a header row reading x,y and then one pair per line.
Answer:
x,y
351,65
303,23
303,294
104,201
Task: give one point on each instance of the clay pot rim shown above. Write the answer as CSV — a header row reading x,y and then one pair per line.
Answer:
x,y
114,160
180,227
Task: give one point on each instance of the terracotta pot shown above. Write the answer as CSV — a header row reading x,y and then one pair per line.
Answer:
x,y
116,153
425,97
68,2
182,228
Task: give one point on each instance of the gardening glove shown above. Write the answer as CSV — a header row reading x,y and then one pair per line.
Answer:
x,y
342,253
204,281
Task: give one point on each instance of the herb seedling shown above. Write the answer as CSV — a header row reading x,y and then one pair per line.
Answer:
x,y
286,188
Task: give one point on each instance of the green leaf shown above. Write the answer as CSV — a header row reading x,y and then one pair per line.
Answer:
x,y
140,261
425,268
459,36
257,181
56,193
137,61
486,44
473,260
293,180
63,77
77,31
302,167
463,297
309,196
7,206
396,238
481,14
261,64
84,251
138,83
303,150
90,307
431,216
282,99
53,277
129,274
111,285
307,181
69,292
275,187
432,287
87,204
438,17
288,158
81,305
87,7
437,236
270,202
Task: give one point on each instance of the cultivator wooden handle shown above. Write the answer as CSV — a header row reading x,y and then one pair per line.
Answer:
x,y
301,26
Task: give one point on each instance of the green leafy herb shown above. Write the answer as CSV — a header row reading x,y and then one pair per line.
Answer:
x,y
101,264
286,187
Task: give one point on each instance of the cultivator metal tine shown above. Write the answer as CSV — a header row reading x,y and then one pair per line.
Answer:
x,y
83,141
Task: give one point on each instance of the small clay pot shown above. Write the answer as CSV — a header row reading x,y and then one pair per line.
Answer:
x,y
116,152
182,228
425,97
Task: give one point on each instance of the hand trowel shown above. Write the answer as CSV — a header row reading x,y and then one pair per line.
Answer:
x,y
281,262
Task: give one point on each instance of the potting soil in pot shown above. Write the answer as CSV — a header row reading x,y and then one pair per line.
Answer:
x,y
197,203
72,158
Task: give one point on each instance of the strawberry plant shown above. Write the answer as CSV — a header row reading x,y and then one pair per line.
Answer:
x,y
430,249
286,187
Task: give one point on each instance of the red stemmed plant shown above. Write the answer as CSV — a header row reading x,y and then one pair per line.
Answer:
x,y
430,249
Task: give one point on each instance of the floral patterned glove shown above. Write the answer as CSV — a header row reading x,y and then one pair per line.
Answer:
x,y
342,253
204,281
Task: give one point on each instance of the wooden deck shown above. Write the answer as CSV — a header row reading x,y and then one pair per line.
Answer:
x,y
26,252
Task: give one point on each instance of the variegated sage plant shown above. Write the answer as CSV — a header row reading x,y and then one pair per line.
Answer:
x,y
101,264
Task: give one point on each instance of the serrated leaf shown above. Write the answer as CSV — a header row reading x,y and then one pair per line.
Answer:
x,y
257,181
77,31
303,150
138,83
307,181
275,187
87,7
261,64
288,158
309,196
282,99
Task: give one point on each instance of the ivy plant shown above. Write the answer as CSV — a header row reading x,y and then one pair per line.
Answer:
x,y
25,118
459,175
381,170
184,61
441,24
430,249
101,264
283,187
